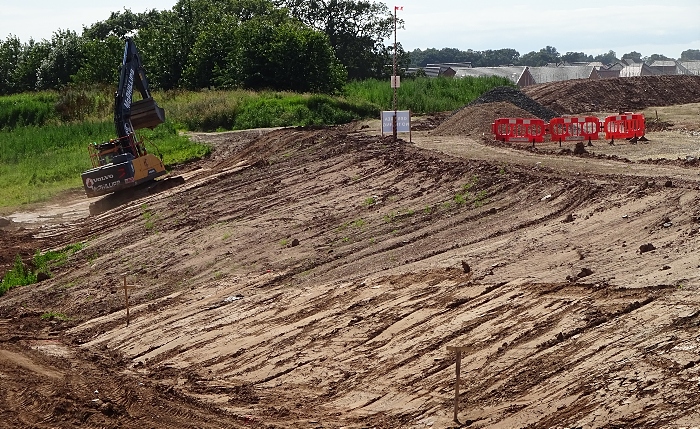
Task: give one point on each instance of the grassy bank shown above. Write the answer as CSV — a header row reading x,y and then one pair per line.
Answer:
x,y
424,95
37,163
44,136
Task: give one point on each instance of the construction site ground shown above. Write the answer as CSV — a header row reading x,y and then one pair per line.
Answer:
x,y
314,278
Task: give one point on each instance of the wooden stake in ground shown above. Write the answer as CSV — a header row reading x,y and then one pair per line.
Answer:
x,y
126,296
458,363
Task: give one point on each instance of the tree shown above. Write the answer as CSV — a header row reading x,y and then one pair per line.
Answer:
x,y
20,64
63,60
287,56
120,24
576,57
10,51
356,29
656,57
545,56
213,58
634,55
161,49
194,27
421,58
488,58
476,58
690,55
608,58
31,57
101,59
500,57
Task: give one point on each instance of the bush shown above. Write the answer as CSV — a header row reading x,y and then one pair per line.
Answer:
x,y
26,110
19,275
22,275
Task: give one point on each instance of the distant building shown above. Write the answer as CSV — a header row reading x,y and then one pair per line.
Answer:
x,y
431,71
557,74
630,61
693,67
639,69
453,66
519,75
607,72
669,67
597,64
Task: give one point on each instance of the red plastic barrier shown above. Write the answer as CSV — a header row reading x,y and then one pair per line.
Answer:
x,y
519,130
574,128
625,126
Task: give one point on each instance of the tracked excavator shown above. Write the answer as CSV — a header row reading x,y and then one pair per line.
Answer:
x,y
122,165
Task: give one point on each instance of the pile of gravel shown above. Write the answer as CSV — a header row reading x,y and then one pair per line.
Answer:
x,y
517,98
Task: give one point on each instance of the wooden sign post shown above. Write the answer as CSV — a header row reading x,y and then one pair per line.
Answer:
x,y
458,363
126,297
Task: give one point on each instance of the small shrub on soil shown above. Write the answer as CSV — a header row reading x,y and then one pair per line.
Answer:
x,y
23,275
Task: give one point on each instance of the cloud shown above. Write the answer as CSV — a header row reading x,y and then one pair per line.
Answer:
x,y
578,27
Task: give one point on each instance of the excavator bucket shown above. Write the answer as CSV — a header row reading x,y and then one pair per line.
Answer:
x,y
146,114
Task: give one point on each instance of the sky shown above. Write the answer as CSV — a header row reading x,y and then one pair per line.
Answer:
x,y
593,27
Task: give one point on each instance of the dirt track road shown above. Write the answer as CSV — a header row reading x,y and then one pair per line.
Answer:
x,y
314,278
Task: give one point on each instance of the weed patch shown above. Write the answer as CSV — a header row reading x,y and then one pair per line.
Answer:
x,y
53,315
22,274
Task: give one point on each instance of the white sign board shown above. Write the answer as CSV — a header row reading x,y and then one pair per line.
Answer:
x,y
396,81
403,121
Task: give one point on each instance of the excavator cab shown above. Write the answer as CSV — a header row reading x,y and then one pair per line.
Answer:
x,y
104,153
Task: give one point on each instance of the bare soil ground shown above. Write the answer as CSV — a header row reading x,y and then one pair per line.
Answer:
x,y
315,278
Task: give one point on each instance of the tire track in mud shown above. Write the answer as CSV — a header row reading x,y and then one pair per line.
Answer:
x,y
580,358
464,330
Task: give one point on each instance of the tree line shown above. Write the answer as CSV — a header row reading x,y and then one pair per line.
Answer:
x,y
546,55
286,45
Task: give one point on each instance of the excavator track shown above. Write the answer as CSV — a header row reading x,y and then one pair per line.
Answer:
x,y
116,199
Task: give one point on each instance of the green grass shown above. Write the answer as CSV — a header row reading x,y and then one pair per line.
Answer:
x,y
369,201
423,95
148,217
53,315
37,163
240,110
44,136
27,109
43,262
21,275
464,196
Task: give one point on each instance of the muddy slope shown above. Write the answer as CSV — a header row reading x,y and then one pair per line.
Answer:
x,y
316,277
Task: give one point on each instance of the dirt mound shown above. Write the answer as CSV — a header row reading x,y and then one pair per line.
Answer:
x,y
517,98
619,94
477,119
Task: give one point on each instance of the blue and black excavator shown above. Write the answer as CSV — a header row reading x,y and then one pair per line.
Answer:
x,y
124,162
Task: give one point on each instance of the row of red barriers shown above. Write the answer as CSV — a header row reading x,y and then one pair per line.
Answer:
x,y
566,129
519,130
